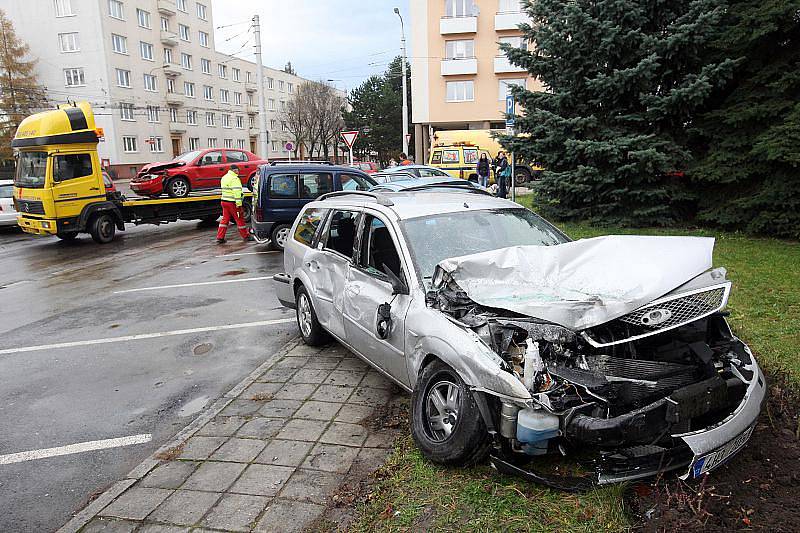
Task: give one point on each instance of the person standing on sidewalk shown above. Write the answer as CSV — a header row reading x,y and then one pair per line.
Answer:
x,y
483,169
502,174
232,205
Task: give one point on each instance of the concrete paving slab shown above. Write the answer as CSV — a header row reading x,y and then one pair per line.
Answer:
x,y
370,396
184,507
298,429
345,434
201,447
223,426
376,380
315,410
239,450
214,477
261,428
354,413
136,503
262,480
242,407
261,390
109,525
310,375
311,486
344,377
169,475
332,393
296,391
280,408
288,516
323,363
284,452
292,362
161,528
236,512
331,458
278,375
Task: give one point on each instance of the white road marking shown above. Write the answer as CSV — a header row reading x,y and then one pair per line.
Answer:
x,y
127,338
199,284
80,447
250,253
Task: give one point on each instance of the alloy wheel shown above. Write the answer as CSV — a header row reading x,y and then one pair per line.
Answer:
x,y
281,237
441,410
179,188
304,315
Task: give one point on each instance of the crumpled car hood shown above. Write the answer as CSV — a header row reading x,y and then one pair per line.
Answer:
x,y
155,167
584,283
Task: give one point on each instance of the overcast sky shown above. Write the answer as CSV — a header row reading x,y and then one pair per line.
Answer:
x,y
343,40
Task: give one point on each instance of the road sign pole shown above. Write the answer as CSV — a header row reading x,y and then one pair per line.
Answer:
x,y
513,179
351,155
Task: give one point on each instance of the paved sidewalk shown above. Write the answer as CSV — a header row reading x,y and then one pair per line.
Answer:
x,y
268,461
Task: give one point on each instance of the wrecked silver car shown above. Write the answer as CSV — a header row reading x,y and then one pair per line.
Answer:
x,y
521,344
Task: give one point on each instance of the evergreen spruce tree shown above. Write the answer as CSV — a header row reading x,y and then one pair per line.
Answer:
x,y
750,175
622,80
20,94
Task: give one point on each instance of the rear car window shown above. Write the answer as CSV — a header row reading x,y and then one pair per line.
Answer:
x,y
315,184
354,182
211,158
342,232
308,225
236,157
283,186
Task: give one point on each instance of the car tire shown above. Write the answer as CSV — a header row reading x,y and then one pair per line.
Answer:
x,y
521,176
251,183
178,188
450,430
279,236
103,227
247,211
310,329
67,236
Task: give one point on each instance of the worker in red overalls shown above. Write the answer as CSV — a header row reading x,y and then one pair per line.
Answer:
x,y
232,205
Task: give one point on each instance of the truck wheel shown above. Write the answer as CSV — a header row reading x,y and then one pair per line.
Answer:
x,y
445,421
521,176
103,228
310,328
67,236
178,188
280,234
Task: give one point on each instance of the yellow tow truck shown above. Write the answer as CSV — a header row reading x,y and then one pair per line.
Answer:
x,y
59,187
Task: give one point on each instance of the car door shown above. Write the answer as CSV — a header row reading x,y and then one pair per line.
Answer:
x,y
283,202
75,183
367,288
211,167
350,181
327,267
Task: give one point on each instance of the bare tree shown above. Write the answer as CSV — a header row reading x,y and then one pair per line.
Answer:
x,y
314,117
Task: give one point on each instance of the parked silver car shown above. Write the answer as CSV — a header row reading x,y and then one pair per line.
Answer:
x,y
8,215
517,342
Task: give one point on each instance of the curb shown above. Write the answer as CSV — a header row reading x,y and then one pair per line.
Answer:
x,y
83,517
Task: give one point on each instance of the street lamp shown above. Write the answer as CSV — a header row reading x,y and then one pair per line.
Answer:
x,y
405,88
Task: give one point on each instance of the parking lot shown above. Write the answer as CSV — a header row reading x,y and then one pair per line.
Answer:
x,y
118,347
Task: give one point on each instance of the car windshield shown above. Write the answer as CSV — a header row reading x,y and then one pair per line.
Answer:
x,y
437,237
6,191
188,157
31,170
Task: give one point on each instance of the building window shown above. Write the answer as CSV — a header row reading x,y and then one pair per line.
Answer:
x,y
191,117
516,41
212,142
119,43
170,86
510,6
183,31
237,98
209,119
115,9
129,145
167,56
143,17
68,42
73,77
208,92
250,100
228,143
147,51
273,124
63,8
123,78
240,144
203,38
150,83
270,83
224,96
505,86
201,11
240,122
460,91
274,146
186,61
249,76
237,74
223,71
283,105
173,114
291,88
156,145
284,127
153,114
188,89
205,66
181,5
194,143
461,49
280,85
126,111
165,23
226,121
460,8
271,104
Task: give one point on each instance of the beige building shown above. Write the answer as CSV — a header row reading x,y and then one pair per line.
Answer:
x,y
152,73
459,77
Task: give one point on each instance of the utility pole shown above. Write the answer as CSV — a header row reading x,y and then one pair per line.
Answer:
x,y
262,108
405,82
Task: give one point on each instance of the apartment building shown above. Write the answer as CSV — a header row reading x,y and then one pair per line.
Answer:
x,y
459,76
152,73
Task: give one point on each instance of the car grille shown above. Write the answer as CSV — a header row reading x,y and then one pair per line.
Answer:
x,y
661,315
31,207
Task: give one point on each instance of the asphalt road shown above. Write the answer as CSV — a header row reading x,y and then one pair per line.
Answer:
x,y
54,292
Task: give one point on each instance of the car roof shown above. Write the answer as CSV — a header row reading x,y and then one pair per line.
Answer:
x,y
398,185
400,168
407,205
6,182
309,167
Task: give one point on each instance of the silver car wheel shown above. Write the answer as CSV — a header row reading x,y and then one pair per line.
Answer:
x,y
179,188
304,315
281,237
441,406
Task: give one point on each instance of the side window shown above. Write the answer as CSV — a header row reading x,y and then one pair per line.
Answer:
x,y
354,182
428,173
236,157
69,167
378,249
315,185
307,227
470,156
283,186
436,158
211,158
342,232
450,156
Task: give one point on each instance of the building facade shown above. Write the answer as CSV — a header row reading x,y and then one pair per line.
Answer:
x,y
459,76
151,71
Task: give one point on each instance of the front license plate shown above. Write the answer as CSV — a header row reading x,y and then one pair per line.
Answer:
x,y
714,459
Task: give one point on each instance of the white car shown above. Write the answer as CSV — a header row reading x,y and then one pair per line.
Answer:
x,y
8,215
517,342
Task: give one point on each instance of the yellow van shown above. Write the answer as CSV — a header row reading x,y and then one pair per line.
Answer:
x,y
458,160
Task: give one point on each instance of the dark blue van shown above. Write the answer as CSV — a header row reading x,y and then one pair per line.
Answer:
x,y
282,189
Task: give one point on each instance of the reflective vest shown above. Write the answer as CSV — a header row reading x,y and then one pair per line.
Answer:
x,y
231,188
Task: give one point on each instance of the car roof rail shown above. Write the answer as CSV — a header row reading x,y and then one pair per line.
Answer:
x,y
381,199
447,185
276,163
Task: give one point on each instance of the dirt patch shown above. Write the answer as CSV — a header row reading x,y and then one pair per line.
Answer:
x,y
757,490
229,273
170,454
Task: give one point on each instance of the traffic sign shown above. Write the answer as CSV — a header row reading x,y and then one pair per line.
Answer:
x,y
289,146
510,110
349,138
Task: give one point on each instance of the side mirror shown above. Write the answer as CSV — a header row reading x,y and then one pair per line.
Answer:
x,y
398,285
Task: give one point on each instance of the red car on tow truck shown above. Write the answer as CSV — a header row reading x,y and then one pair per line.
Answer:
x,y
195,170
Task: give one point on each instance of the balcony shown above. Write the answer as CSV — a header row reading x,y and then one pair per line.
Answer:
x,y
251,109
510,20
166,7
502,65
177,127
174,99
172,70
168,38
250,87
454,67
253,132
448,25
